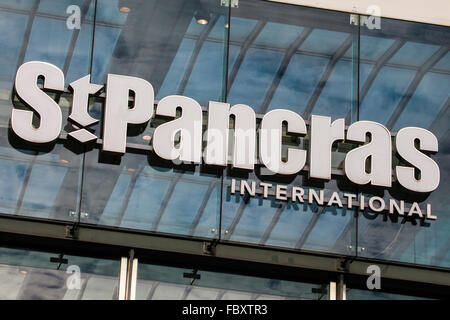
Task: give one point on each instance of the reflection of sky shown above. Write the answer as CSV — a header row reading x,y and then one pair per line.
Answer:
x,y
328,228
414,54
211,54
177,69
444,63
183,207
18,4
255,77
324,41
298,83
290,226
13,172
373,47
426,102
79,64
277,35
146,201
59,7
49,41
105,43
43,187
254,220
241,28
13,27
336,95
108,11
385,93
335,99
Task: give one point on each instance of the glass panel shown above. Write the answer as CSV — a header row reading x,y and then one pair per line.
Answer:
x,y
289,223
36,275
44,180
289,60
140,193
408,86
157,282
182,51
179,48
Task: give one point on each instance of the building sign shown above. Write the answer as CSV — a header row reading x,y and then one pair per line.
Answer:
x,y
412,144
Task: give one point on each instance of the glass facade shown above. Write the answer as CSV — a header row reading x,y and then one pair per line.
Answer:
x,y
263,54
39,275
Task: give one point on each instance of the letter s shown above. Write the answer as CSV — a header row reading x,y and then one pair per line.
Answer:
x,y
48,110
429,170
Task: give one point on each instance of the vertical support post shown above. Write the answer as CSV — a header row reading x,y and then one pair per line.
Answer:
x,y
332,291
341,288
131,277
123,278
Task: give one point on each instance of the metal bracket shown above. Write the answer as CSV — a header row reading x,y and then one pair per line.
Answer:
x,y
354,19
342,264
209,248
226,3
72,231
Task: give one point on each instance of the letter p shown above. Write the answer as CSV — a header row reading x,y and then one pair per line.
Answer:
x,y
118,114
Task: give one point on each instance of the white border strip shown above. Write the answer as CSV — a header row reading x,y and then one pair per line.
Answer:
x,y
434,12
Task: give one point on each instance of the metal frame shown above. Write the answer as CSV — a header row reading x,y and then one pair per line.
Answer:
x,y
228,256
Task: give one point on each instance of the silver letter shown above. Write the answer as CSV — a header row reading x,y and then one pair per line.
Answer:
x,y
429,170
379,149
270,141
117,113
323,134
48,110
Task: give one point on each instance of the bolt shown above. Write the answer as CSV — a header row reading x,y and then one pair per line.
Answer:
x,y
213,230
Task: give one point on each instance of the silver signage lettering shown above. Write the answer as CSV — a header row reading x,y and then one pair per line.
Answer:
x,y
323,135
181,138
429,170
117,113
48,110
